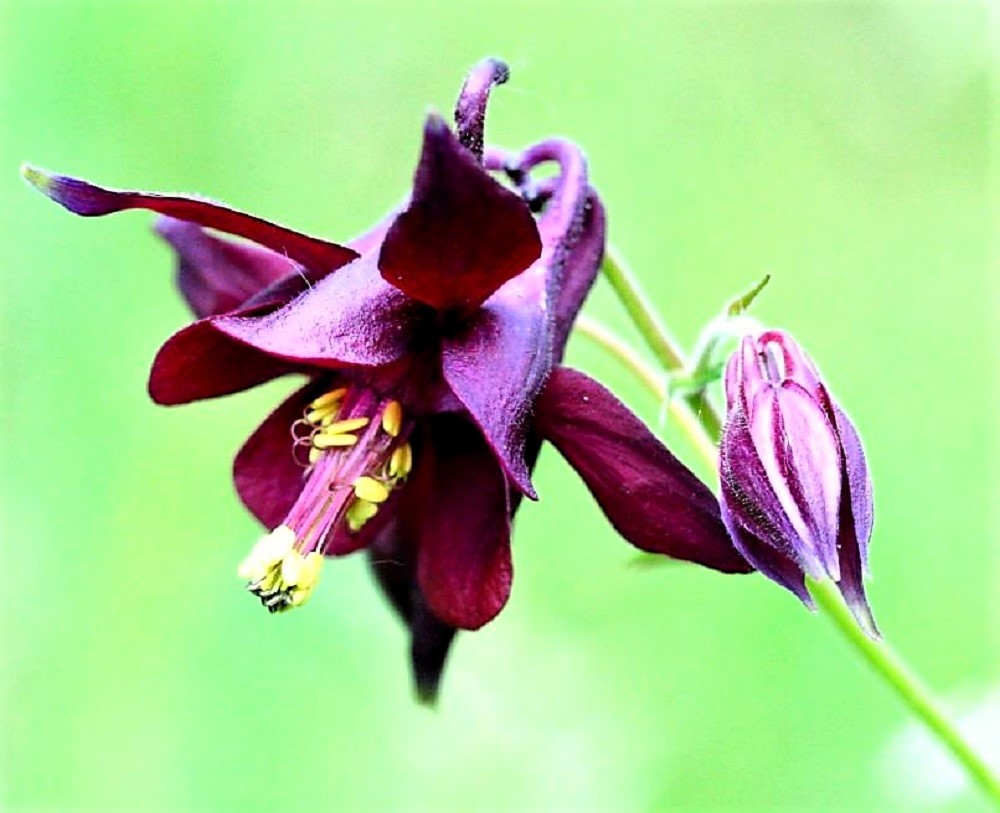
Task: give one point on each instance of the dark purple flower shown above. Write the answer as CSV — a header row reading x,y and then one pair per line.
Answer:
x,y
431,346
796,493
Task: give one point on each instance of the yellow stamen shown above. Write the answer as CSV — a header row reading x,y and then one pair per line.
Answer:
x,y
271,580
269,550
348,425
249,568
325,441
392,418
317,416
358,513
370,489
401,461
314,455
309,574
291,567
306,576
280,576
331,398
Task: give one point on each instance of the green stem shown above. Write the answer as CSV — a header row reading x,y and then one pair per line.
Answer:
x,y
907,685
705,433
654,382
661,344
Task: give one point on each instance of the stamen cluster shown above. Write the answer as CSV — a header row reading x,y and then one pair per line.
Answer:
x,y
351,467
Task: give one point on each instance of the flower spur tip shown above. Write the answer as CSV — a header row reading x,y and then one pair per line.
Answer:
x,y
37,177
44,181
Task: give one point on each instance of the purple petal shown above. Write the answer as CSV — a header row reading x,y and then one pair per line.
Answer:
x,y
732,378
463,235
497,367
748,494
217,275
267,477
858,481
470,109
199,362
581,264
86,199
799,451
764,557
392,558
572,227
352,317
798,367
463,560
650,497
744,378
856,520
851,582
430,642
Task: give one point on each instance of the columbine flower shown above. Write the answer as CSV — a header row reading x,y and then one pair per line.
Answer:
x,y
431,345
796,494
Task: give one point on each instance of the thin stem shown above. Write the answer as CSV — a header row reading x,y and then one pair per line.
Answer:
x,y
704,430
653,382
661,343
910,688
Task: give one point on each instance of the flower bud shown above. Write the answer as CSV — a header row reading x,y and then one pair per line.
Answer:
x,y
796,493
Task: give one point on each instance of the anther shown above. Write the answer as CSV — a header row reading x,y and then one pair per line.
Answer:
x,y
358,513
392,418
329,399
278,573
307,577
353,448
325,441
320,414
301,571
349,425
401,461
370,489
269,550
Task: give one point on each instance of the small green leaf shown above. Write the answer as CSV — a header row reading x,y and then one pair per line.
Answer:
x,y
742,303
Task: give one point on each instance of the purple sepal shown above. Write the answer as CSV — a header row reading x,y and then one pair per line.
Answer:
x,y
90,200
351,318
652,499
463,234
199,362
510,341
776,566
216,275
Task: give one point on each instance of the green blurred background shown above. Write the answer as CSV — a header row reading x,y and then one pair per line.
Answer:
x,y
843,148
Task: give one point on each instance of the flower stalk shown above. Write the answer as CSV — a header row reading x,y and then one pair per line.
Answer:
x,y
703,426
658,339
907,685
655,383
